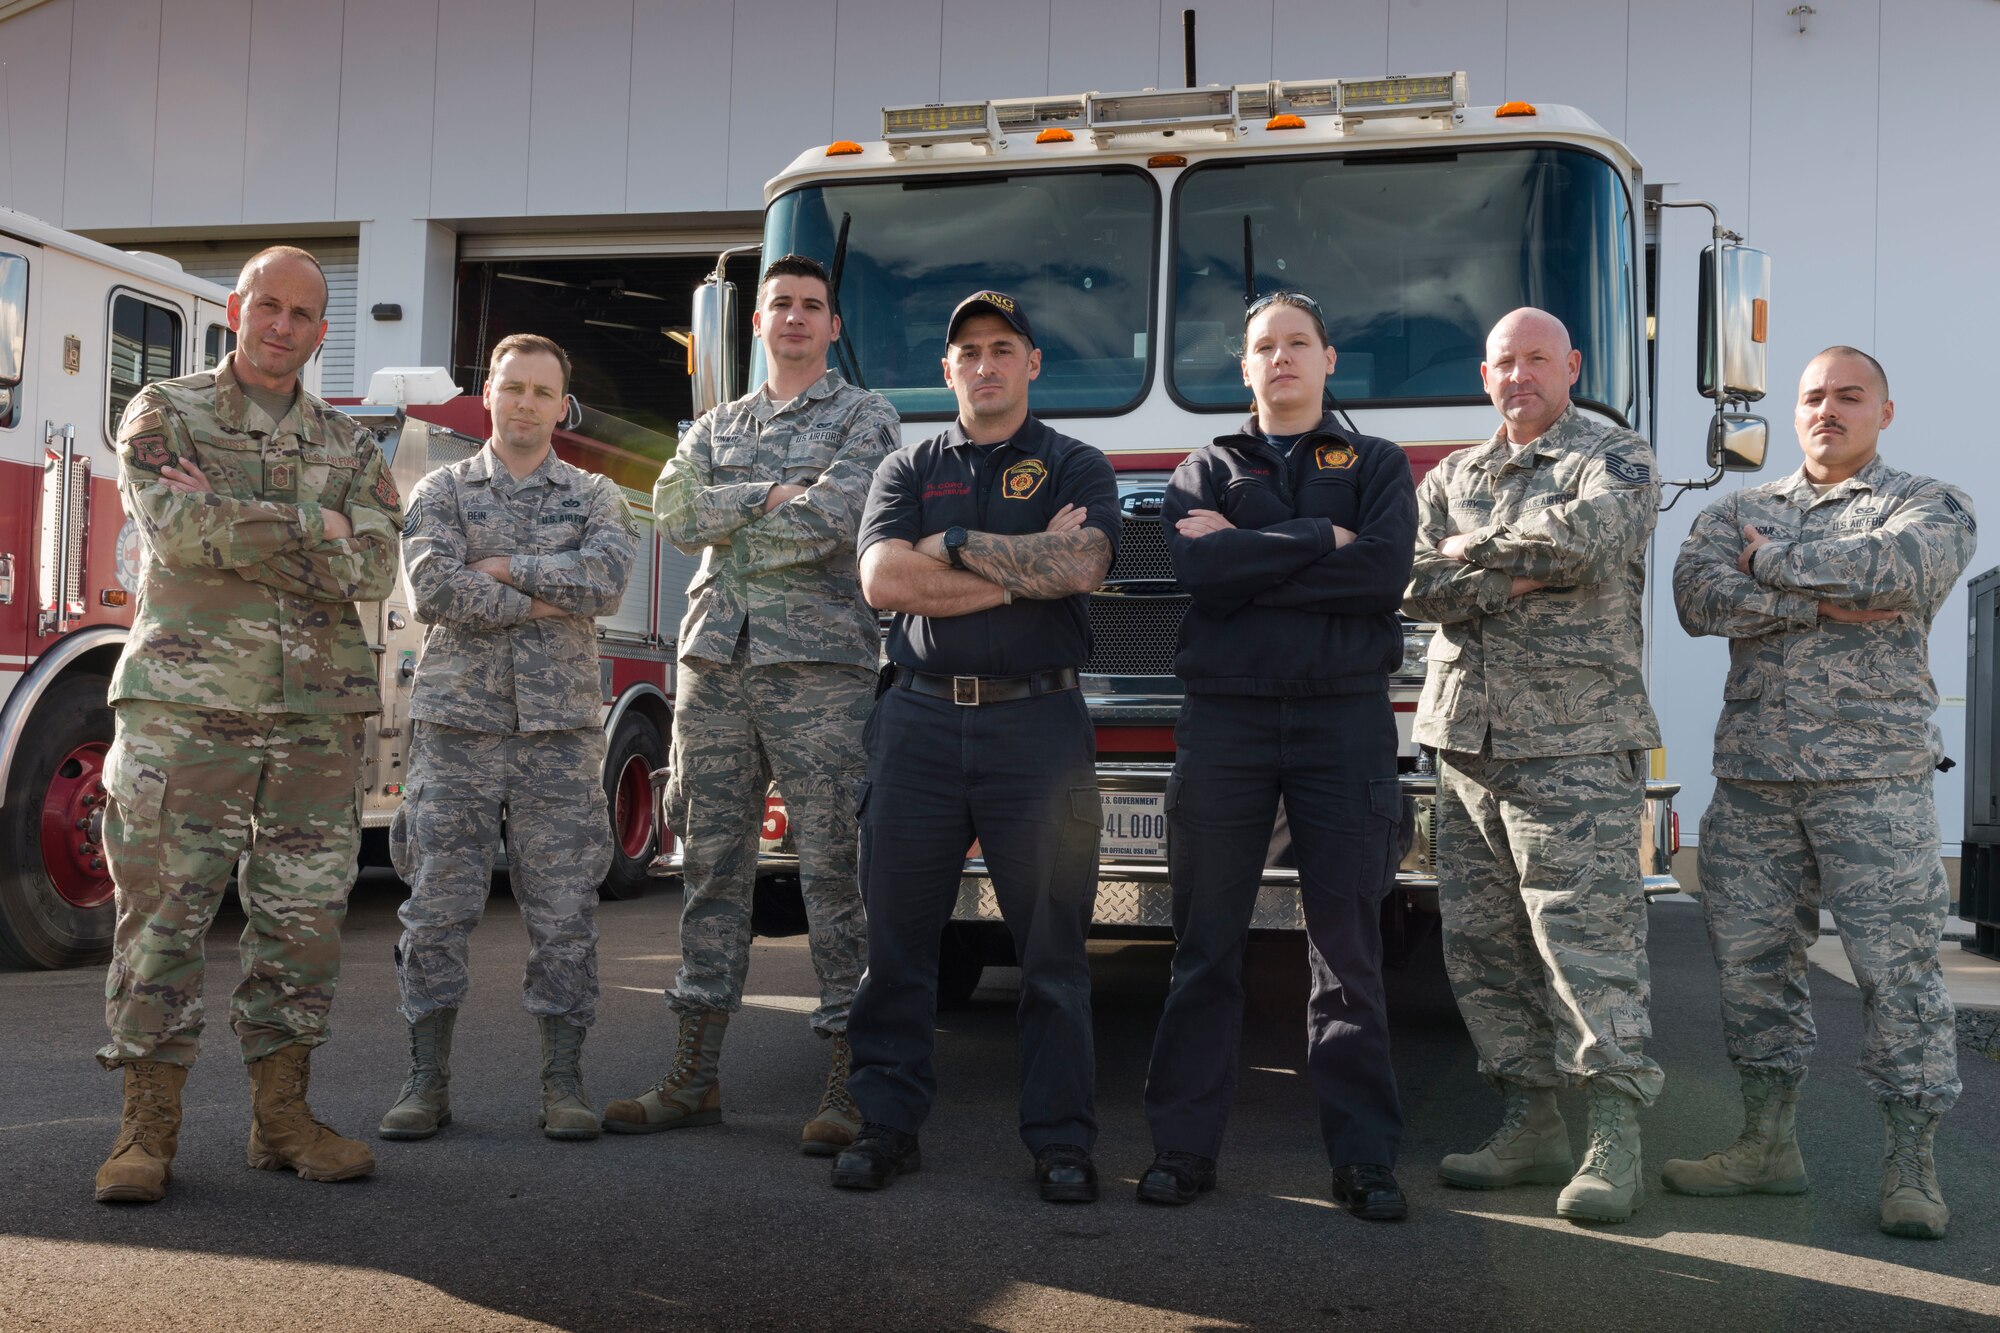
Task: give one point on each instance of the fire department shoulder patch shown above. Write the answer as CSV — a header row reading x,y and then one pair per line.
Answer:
x,y
1334,457
1023,479
384,491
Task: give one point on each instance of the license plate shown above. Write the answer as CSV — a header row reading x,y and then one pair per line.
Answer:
x,y
1135,826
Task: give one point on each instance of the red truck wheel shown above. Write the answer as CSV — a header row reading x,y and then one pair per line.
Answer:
x,y
635,751
55,894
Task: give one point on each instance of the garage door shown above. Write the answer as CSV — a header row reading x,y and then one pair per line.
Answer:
x,y
222,261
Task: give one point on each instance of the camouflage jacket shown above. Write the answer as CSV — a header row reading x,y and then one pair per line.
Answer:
x,y
789,574
569,539
244,604
1812,700
1559,671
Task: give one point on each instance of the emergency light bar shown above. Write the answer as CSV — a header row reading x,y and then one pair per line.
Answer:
x,y
1320,97
1020,114
1402,95
1175,109
939,122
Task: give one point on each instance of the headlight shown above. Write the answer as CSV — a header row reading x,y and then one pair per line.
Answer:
x,y
1416,641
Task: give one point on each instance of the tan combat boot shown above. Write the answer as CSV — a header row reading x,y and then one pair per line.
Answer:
x,y
1531,1147
690,1094
1765,1157
283,1132
566,1112
1912,1203
141,1161
838,1121
424,1105
1607,1187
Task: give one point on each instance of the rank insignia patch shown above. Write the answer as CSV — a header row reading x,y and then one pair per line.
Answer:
x,y
1627,472
1334,457
414,517
1023,479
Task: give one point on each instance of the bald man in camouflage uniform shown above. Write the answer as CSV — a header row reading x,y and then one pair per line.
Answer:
x,y
778,660
1531,556
240,701
512,554
1825,584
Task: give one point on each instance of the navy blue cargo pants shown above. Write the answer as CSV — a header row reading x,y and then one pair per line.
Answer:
x,y
1021,778
1333,759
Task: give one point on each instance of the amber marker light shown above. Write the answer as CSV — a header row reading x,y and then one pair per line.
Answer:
x,y
1166,160
842,148
1055,134
1515,109
113,597
1285,122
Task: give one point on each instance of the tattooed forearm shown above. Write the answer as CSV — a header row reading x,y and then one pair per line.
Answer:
x,y
1042,565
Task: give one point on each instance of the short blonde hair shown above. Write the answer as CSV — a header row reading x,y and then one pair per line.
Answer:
x,y
528,342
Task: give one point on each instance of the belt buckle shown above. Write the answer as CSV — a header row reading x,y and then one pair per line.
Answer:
x,y
965,691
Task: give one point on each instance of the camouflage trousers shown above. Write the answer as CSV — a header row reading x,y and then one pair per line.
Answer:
x,y
1773,853
1545,916
736,728
192,790
550,787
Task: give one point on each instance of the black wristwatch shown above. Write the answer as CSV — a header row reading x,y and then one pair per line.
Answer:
x,y
954,546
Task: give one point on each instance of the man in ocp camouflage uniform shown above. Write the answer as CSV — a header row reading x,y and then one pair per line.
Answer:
x,y
1825,584
1531,556
512,554
240,700
778,658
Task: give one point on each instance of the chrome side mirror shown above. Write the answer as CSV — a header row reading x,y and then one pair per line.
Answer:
x,y
1745,293
1737,442
712,327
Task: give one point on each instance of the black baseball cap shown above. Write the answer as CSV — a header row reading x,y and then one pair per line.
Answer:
x,y
991,303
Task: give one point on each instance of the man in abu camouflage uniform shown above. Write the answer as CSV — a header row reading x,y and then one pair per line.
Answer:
x,y
1531,556
240,701
1825,584
778,658
512,554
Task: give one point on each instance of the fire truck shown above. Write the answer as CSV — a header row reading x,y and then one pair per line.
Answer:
x,y
1135,226
82,328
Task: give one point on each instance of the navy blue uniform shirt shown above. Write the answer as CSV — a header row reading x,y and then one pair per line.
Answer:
x,y
1008,489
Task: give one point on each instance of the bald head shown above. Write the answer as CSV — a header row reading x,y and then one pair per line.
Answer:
x,y
290,259
1528,371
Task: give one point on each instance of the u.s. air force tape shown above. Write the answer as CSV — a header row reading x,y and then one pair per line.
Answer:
x,y
1627,472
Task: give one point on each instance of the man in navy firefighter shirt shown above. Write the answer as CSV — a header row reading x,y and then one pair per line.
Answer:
x,y
1293,539
985,542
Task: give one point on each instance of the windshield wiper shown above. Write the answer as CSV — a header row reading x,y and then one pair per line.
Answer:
x,y
844,356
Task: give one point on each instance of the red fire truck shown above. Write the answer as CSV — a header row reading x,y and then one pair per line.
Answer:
x,y
1134,226
82,328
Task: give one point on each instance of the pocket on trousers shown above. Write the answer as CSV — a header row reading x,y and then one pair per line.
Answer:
x,y
401,858
1086,806
862,790
140,791
1385,799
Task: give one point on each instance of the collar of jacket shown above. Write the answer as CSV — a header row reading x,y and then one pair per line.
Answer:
x,y
1551,443
232,405
1029,440
1798,487
764,407
486,464
1251,436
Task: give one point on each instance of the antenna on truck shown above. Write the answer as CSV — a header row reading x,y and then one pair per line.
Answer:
x,y
1187,46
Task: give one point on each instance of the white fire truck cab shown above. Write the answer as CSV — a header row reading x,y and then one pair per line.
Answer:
x,y
1134,227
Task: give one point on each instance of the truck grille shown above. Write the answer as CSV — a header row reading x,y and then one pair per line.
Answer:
x,y
1134,636
1142,553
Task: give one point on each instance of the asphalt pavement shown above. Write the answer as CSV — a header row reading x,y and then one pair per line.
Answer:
x,y
490,1226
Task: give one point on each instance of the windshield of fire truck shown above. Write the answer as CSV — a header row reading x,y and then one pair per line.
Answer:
x,y
1412,257
1076,248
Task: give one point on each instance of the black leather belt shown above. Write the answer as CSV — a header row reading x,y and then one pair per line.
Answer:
x,y
974,690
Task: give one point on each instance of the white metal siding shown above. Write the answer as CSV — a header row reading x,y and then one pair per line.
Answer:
x,y
222,261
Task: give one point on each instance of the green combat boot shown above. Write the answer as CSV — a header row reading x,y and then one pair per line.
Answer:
x,y
690,1094
424,1105
142,1160
566,1112
1912,1204
1765,1157
1607,1188
1531,1147
284,1133
838,1121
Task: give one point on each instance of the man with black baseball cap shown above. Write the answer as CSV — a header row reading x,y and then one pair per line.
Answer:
x,y
984,542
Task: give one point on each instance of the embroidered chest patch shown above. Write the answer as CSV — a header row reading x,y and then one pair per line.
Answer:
x,y
1334,457
1023,479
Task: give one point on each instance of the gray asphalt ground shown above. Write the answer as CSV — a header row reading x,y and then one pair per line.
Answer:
x,y
489,1226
